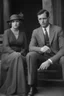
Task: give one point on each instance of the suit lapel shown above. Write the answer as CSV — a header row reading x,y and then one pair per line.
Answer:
x,y
51,32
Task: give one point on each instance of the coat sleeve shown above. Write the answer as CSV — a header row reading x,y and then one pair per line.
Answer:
x,y
33,46
6,47
60,53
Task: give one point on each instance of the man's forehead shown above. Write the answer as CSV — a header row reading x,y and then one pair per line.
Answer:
x,y
43,15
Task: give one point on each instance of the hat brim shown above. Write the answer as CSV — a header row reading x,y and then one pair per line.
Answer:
x,y
15,19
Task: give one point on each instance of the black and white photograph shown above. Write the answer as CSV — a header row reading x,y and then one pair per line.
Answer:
x,y
31,47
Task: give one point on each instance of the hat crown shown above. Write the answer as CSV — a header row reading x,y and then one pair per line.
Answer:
x,y
14,17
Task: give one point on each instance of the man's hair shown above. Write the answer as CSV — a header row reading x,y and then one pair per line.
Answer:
x,y
43,11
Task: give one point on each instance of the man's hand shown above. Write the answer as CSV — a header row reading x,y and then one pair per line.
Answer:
x,y
45,49
44,65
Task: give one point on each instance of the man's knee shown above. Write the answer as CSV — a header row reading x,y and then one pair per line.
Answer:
x,y
31,55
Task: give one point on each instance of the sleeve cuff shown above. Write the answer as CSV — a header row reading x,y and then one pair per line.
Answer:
x,y
50,61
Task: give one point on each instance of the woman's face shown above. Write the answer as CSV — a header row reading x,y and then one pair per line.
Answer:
x,y
15,24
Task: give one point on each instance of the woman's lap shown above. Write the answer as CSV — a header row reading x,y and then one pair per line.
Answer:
x,y
15,80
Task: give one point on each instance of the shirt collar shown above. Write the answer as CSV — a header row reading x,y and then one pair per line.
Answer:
x,y
47,28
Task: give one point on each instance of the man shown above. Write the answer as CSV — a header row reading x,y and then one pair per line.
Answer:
x,y
47,46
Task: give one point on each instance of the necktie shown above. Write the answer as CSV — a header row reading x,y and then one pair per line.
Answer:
x,y
46,37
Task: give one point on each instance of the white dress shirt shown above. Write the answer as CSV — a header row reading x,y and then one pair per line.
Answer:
x,y
47,28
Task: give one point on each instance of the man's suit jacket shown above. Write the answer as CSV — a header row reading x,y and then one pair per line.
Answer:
x,y
56,39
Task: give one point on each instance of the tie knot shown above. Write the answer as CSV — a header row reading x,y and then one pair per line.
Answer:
x,y
45,29
46,33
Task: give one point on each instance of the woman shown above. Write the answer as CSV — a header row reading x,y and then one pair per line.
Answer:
x,y
13,58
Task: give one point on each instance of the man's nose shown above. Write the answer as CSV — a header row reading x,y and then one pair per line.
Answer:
x,y
42,21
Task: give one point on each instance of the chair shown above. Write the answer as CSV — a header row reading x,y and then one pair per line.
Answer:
x,y
52,74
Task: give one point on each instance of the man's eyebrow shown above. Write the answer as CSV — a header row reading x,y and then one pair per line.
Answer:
x,y
42,18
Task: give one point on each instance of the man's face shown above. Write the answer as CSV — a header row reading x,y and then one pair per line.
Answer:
x,y
43,20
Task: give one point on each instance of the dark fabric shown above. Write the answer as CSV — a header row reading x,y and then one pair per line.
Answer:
x,y
11,44
13,79
46,38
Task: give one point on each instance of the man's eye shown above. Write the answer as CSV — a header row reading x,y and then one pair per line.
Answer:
x,y
40,18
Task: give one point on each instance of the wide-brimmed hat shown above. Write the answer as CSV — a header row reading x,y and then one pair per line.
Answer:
x,y
14,17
